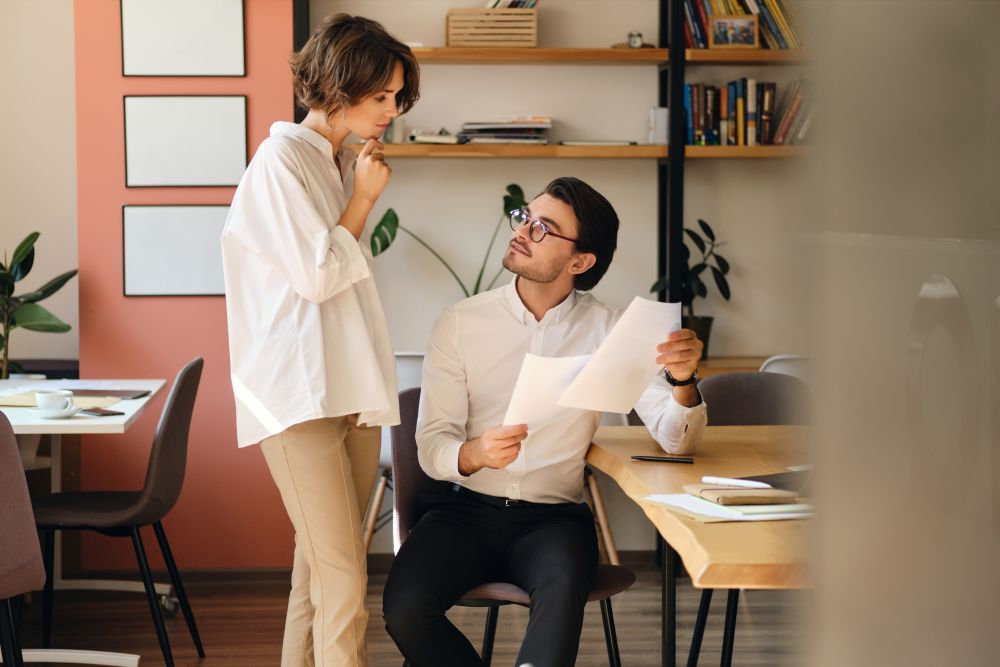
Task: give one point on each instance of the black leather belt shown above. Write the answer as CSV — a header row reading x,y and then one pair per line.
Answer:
x,y
492,500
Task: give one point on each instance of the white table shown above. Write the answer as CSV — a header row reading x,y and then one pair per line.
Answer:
x,y
26,423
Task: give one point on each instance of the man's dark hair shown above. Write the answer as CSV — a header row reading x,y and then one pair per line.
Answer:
x,y
598,225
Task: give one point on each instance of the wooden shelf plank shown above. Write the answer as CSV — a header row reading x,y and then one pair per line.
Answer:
x,y
555,151
538,56
744,152
746,56
520,151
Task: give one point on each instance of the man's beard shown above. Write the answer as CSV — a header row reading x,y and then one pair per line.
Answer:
x,y
537,274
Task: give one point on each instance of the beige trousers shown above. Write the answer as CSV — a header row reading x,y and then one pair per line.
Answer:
x,y
325,470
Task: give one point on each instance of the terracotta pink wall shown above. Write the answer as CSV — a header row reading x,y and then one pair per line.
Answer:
x,y
229,514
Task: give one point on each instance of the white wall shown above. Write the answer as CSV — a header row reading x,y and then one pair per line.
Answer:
x,y
453,204
38,164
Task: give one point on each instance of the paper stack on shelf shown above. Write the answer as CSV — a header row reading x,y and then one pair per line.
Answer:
x,y
508,130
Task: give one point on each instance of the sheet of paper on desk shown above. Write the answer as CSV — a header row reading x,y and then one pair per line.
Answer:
x,y
625,363
541,382
688,505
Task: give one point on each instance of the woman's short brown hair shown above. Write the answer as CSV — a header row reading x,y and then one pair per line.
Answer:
x,y
346,59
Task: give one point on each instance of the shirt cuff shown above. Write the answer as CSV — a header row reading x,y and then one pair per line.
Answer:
x,y
446,462
347,250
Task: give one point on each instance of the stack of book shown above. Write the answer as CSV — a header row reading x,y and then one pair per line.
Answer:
x,y
779,23
508,130
510,4
746,112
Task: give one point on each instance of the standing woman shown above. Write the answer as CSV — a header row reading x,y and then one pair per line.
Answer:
x,y
313,370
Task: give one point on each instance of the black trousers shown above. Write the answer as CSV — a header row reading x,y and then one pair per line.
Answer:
x,y
550,551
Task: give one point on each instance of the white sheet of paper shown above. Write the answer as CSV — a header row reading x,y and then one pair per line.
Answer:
x,y
625,363
541,382
687,502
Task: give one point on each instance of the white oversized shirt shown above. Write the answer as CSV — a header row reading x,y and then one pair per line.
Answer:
x,y
472,364
307,335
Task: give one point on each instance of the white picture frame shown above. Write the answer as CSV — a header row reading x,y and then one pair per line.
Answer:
x,y
185,140
172,250
183,38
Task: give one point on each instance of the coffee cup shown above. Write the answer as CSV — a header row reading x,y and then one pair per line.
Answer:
x,y
54,399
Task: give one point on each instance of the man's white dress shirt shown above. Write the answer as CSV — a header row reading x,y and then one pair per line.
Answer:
x,y
307,335
472,364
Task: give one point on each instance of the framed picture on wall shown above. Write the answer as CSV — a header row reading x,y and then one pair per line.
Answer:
x,y
185,140
172,250
183,38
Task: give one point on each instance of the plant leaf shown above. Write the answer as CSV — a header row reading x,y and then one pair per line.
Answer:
x,y
660,284
698,268
698,287
23,248
33,317
698,241
6,285
723,264
721,283
385,232
23,268
48,289
708,230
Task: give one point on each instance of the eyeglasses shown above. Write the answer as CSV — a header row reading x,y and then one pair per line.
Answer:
x,y
537,229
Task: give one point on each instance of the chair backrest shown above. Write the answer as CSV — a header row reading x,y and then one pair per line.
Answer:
x,y
408,478
168,457
21,567
796,365
755,399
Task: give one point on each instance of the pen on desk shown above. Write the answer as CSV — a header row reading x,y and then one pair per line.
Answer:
x,y
664,459
728,481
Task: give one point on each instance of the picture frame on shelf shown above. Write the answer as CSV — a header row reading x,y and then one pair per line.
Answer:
x,y
734,32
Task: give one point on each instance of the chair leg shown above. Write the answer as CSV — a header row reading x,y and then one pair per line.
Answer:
x,y
10,651
175,579
371,518
602,518
490,634
154,605
610,635
729,634
49,555
699,627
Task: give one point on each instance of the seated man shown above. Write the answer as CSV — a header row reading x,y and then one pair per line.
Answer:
x,y
514,510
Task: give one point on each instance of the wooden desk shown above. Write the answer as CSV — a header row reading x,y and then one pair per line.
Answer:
x,y
761,555
715,365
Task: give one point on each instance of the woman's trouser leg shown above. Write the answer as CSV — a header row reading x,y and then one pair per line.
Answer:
x,y
324,470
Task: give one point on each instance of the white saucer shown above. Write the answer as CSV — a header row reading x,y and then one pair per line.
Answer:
x,y
54,414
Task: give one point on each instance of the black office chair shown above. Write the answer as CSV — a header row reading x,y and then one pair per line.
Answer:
x,y
123,513
410,481
745,399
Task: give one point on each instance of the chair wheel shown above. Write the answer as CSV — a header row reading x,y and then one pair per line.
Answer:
x,y
169,606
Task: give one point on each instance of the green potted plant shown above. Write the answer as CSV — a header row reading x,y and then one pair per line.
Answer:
x,y
692,284
22,311
385,232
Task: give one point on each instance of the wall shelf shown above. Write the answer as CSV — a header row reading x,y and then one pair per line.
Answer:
x,y
539,56
481,151
746,56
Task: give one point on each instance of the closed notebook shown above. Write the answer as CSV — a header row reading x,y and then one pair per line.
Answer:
x,y
731,495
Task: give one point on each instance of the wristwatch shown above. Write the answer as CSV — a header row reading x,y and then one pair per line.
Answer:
x,y
680,383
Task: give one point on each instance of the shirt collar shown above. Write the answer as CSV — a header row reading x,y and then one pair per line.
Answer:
x,y
312,136
524,315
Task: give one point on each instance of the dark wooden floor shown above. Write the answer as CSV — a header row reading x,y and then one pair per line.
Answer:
x,y
241,624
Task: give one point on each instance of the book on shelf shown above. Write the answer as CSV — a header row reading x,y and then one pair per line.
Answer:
x,y
510,4
746,112
507,130
441,137
778,21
